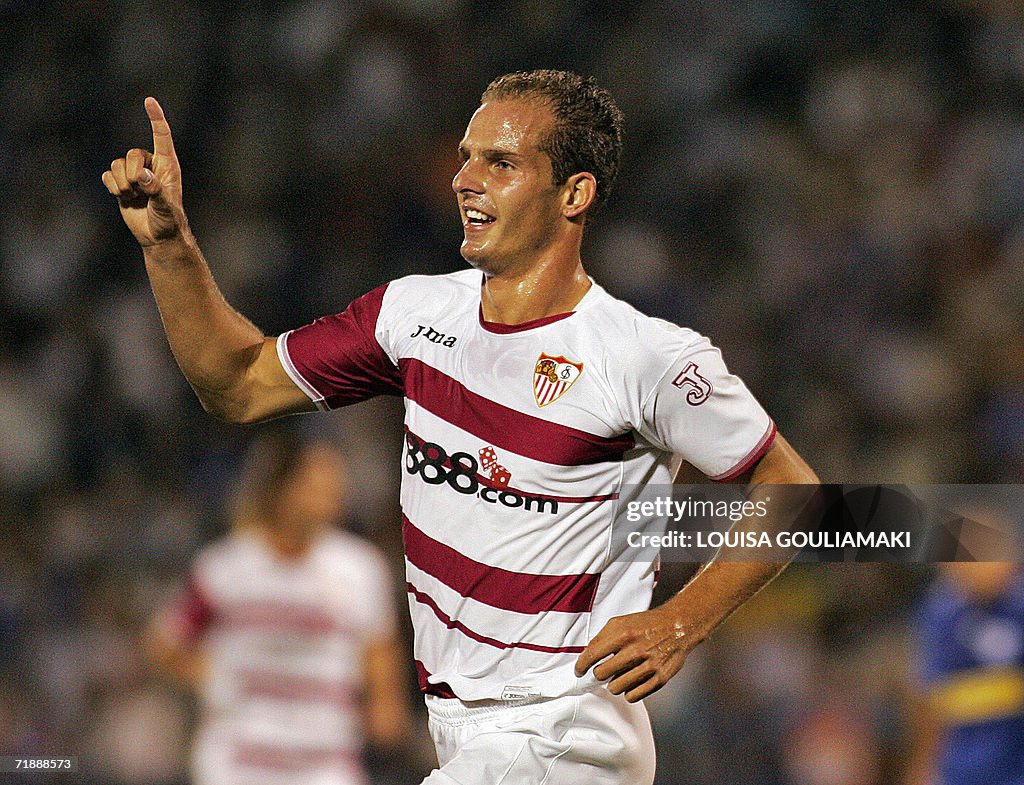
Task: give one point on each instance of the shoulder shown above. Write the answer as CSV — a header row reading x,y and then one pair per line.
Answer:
x,y
351,552
432,292
217,552
340,358
226,559
648,342
413,293
623,322
220,564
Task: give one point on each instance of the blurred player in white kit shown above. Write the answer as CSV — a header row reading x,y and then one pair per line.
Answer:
x,y
286,631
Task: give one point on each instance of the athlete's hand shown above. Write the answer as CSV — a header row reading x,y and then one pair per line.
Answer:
x,y
643,650
148,185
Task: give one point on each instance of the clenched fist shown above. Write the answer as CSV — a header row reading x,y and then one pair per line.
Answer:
x,y
148,185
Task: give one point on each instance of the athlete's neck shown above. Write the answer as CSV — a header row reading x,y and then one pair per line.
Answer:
x,y
547,289
283,548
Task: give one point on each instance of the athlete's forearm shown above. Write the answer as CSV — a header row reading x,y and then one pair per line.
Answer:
x,y
788,490
718,590
182,662
213,344
386,712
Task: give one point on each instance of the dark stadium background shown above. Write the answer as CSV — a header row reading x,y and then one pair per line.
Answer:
x,y
833,191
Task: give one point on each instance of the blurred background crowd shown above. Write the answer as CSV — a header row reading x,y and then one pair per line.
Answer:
x,y
832,191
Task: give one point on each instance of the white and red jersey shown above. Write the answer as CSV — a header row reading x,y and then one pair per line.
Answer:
x,y
283,642
521,443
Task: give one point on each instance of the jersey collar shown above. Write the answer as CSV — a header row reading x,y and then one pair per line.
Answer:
x,y
507,329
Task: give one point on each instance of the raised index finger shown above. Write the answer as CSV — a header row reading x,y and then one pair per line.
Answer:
x,y
163,144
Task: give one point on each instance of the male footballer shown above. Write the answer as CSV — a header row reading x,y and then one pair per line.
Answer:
x,y
536,404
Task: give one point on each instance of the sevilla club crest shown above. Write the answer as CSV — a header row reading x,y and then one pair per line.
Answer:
x,y
552,378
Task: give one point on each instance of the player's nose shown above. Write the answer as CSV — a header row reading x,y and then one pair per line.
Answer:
x,y
468,178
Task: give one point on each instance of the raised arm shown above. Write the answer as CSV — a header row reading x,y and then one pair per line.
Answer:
x,y
231,365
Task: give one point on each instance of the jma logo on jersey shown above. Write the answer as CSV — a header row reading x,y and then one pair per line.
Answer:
x,y
552,378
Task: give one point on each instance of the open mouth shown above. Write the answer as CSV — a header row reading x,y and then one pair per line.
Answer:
x,y
477,218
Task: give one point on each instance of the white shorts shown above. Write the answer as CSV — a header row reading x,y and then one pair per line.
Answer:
x,y
591,739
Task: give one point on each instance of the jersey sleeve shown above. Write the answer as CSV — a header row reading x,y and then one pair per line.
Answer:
x,y
188,615
368,607
700,411
380,606
341,359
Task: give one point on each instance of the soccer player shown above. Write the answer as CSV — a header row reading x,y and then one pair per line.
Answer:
x,y
286,631
536,405
969,712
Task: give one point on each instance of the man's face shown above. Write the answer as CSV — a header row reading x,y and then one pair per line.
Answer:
x,y
310,502
510,209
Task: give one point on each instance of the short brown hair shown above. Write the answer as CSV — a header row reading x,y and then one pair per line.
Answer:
x,y
587,134
270,464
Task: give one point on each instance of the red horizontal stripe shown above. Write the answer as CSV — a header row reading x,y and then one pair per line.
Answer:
x,y
300,689
522,592
454,624
752,457
502,426
282,617
441,689
282,758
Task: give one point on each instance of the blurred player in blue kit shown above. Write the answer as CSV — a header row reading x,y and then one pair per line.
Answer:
x,y
970,635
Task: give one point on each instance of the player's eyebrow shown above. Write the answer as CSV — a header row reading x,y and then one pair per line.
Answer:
x,y
499,153
490,154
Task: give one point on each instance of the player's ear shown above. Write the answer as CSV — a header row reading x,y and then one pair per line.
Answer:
x,y
579,193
